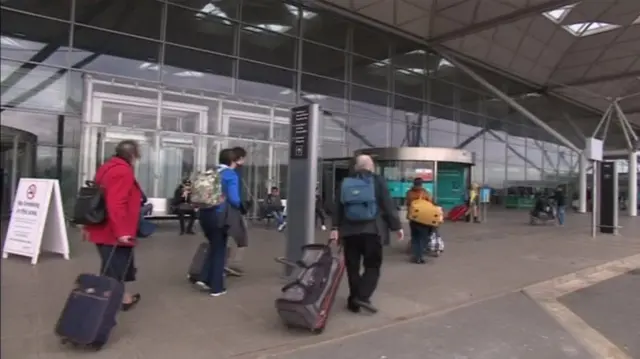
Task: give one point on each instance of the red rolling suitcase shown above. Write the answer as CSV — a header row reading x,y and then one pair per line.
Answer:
x,y
457,213
307,300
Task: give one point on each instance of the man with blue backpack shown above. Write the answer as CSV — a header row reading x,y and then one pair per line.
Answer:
x,y
363,215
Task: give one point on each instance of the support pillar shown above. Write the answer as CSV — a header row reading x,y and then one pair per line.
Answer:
x,y
582,184
633,184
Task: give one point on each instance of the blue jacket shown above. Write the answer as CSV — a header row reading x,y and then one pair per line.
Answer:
x,y
230,187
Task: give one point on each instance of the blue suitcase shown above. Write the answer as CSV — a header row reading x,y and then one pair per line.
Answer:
x,y
90,312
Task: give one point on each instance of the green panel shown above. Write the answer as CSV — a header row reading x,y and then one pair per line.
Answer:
x,y
451,184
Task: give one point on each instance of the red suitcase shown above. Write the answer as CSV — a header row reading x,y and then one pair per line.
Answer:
x,y
457,213
307,300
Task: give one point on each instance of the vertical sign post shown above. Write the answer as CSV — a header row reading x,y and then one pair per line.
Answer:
x,y
304,151
485,199
608,198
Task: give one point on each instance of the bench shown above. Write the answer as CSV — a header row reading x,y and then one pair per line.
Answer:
x,y
161,209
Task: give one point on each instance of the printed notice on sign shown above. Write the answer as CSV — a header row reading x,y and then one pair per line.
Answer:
x,y
37,221
299,148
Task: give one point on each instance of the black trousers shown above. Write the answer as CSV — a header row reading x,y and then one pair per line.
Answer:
x,y
365,249
320,216
182,213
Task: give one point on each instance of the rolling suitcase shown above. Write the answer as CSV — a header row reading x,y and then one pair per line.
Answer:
x,y
90,312
457,213
307,300
198,262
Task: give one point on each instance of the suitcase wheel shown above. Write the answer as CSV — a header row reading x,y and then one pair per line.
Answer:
x,y
97,346
64,341
317,331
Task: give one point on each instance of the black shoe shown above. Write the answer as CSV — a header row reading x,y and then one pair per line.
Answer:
x,y
182,233
366,305
134,300
191,232
353,308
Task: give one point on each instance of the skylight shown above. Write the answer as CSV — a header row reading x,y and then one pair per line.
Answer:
x,y
189,74
211,9
559,14
589,28
260,28
295,11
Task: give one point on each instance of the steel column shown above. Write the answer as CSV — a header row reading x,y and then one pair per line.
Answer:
x,y
582,184
514,104
633,184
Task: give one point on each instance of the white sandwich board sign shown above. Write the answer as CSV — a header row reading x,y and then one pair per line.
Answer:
x,y
37,221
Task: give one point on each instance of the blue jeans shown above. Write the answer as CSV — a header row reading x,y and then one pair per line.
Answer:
x,y
212,273
561,213
278,216
420,235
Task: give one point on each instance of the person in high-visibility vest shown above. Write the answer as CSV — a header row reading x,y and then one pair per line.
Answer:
x,y
474,203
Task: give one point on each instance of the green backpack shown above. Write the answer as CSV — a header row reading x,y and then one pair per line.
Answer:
x,y
206,188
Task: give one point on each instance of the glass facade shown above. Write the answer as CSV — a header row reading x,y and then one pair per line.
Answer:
x,y
187,78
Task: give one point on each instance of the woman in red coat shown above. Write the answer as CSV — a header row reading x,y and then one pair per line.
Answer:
x,y
115,237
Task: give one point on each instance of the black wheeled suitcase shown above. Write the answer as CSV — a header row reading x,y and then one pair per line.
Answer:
x,y
90,312
307,300
198,262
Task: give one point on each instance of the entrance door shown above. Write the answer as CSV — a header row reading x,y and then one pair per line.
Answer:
x,y
144,166
17,160
167,139
451,184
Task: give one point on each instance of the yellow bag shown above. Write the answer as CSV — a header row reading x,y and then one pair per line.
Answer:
x,y
425,212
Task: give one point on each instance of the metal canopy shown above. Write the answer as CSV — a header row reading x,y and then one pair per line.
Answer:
x,y
588,51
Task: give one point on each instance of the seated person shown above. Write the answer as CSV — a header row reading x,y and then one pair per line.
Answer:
x,y
273,206
147,208
182,206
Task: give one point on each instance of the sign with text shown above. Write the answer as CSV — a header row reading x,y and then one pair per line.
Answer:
x,y
37,221
485,195
299,147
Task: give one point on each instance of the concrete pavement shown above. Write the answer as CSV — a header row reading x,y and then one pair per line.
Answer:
x,y
482,266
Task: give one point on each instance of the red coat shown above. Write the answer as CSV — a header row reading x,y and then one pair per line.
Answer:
x,y
123,198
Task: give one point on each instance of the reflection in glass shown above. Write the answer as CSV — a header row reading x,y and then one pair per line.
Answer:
x,y
266,82
41,87
268,44
207,30
370,72
245,128
197,69
323,60
280,169
330,94
140,18
400,176
110,53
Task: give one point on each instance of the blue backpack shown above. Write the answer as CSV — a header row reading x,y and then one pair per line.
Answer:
x,y
358,197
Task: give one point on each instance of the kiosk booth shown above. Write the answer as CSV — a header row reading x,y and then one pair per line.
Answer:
x,y
446,172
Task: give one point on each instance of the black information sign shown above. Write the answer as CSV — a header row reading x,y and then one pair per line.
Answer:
x,y
299,148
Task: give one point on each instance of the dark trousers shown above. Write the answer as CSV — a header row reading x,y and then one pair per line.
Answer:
x,y
117,262
365,249
212,273
182,214
320,216
420,236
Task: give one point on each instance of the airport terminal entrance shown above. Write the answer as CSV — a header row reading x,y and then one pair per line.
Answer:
x,y
17,160
446,173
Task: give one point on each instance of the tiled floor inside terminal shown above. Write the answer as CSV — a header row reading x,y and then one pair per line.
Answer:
x,y
481,273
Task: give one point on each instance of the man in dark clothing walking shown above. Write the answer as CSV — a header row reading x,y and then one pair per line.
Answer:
x,y
561,204
362,215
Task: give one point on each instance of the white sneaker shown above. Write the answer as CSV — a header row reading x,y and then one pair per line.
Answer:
x,y
324,228
202,285
281,227
218,294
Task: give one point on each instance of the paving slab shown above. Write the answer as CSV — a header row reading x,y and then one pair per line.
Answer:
x,y
480,262
507,327
611,307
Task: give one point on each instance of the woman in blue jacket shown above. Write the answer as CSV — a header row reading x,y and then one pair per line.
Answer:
x,y
212,275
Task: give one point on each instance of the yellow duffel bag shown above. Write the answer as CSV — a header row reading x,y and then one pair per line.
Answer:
x,y
424,212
